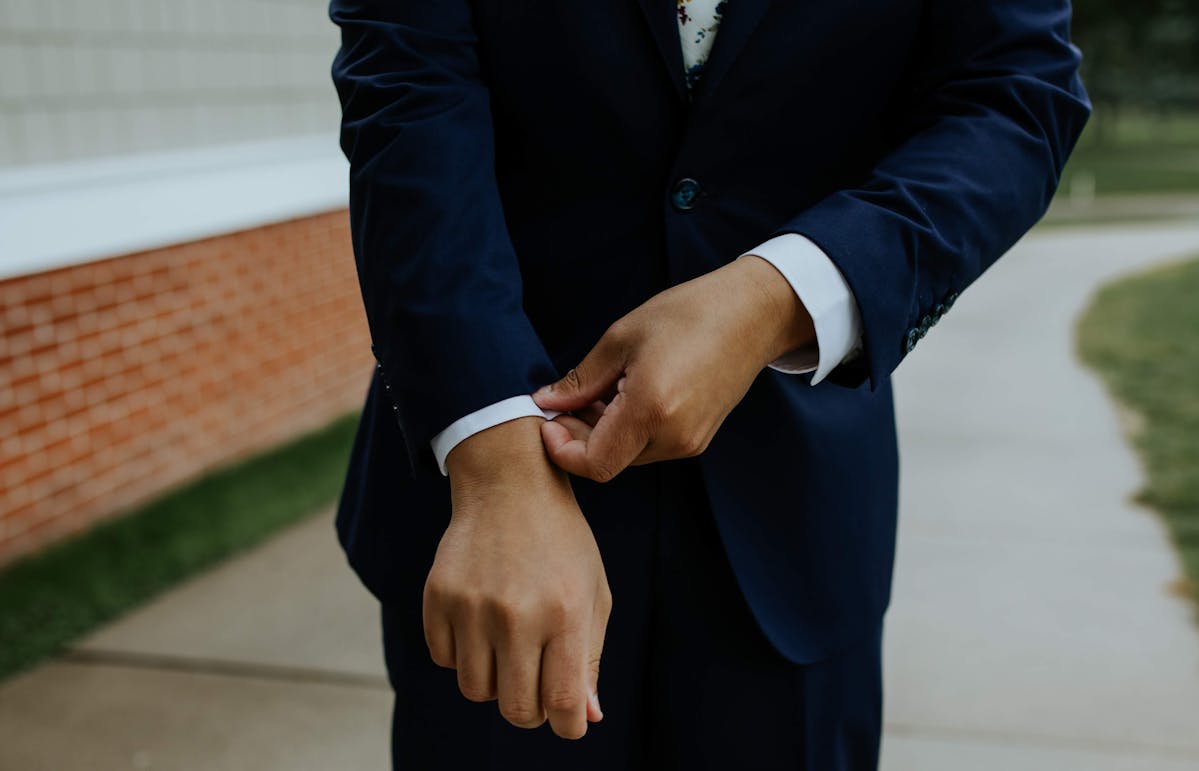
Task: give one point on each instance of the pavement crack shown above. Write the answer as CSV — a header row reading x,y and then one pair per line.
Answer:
x,y
226,668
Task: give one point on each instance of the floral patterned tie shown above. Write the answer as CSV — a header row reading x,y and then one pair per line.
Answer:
x,y
698,20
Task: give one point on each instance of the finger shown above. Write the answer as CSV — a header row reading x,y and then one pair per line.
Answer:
x,y
476,666
576,428
593,412
594,713
599,628
619,437
518,681
581,453
593,378
564,686
439,634
565,439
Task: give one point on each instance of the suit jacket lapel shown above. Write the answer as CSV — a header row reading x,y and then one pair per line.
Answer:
x,y
660,14
737,23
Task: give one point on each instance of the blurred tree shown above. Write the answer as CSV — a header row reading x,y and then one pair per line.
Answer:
x,y
1140,54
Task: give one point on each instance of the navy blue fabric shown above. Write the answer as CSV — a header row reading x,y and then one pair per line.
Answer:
x,y
688,680
512,170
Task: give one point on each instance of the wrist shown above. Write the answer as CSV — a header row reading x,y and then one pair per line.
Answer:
x,y
509,450
777,311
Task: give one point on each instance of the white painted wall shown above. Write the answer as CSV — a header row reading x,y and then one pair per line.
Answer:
x,y
90,78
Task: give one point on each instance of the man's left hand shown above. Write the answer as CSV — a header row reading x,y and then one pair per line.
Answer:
x,y
662,379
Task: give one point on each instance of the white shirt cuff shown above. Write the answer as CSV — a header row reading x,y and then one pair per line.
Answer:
x,y
483,419
828,299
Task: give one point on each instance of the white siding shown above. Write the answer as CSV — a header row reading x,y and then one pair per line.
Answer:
x,y
90,78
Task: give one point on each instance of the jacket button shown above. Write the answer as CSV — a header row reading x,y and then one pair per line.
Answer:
x,y
686,190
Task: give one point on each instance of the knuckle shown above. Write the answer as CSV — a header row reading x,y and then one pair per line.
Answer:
x,y
509,614
618,331
556,614
471,604
602,471
473,691
561,698
604,601
436,590
441,657
521,713
572,379
507,619
692,445
556,609
446,597
475,695
659,409
559,610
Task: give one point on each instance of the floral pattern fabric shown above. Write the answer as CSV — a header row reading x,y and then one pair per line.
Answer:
x,y
698,21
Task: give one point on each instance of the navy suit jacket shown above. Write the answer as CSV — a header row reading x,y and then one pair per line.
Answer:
x,y
512,170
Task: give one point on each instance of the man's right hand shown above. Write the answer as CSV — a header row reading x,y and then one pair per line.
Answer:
x,y
517,600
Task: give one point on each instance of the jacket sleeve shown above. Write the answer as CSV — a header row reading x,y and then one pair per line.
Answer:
x,y
436,266
994,110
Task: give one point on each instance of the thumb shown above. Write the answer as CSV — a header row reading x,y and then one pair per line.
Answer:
x,y
593,378
594,653
594,713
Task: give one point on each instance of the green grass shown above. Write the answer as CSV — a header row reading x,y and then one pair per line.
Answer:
x,y
1136,153
1136,170
55,596
1142,335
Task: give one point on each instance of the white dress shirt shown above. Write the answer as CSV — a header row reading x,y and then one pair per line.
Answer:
x,y
809,271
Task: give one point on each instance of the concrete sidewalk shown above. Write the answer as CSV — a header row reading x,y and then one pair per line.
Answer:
x,y
1031,627
271,662
1128,209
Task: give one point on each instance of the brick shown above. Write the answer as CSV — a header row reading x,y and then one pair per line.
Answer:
x,y
136,373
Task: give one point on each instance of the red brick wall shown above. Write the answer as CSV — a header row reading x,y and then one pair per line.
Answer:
x,y
121,378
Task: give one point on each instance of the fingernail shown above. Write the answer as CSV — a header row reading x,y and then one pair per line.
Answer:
x,y
544,390
594,699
